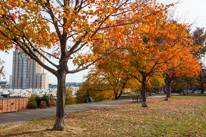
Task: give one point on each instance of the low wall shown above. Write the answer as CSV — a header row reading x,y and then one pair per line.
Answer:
x,y
13,104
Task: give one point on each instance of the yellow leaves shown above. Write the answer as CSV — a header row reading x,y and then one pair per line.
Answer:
x,y
32,5
1,11
83,59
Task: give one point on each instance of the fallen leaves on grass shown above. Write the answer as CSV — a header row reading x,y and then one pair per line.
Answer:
x,y
176,117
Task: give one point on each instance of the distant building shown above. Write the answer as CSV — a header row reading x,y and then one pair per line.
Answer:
x,y
27,73
42,81
51,86
10,81
75,84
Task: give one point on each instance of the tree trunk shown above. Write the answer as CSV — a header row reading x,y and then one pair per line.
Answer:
x,y
144,103
119,95
168,82
201,83
123,86
116,96
168,88
115,93
59,123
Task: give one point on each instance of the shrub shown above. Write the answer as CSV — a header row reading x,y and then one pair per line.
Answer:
x,y
38,100
32,105
46,99
43,104
81,96
69,98
32,98
52,103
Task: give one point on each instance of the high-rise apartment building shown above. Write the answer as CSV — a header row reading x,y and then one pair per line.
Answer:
x,y
27,74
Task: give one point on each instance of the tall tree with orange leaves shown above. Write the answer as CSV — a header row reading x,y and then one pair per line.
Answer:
x,y
65,30
154,44
185,65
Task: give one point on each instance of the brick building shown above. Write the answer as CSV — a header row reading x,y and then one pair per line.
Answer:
x,y
13,104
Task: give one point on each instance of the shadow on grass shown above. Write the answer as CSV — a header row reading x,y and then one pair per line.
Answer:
x,y
27,133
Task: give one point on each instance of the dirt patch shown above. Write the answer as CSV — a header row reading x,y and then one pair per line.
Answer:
x,y
75,130
9,127
69,131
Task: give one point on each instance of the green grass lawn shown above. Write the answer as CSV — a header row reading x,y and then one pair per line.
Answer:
x,y
192,95
126,96
180,116
197,94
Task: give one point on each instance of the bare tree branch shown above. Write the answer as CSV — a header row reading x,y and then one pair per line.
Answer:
x,y
85,67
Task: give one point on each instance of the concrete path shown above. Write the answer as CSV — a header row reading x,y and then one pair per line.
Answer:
x,y
7,118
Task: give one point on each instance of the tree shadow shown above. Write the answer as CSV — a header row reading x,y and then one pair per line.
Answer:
x,y
26,133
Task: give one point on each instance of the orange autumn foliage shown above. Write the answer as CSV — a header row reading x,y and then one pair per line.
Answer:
x,y
152,46
66,30
113,73
95,86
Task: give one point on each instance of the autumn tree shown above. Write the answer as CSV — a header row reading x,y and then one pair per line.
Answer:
x,y
1,61
113,73
134,85
117,80
64,31
2,68
184,66
96,86
155,82
152,45
199,37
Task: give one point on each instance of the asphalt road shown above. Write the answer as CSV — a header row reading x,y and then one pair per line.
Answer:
x,y
7,118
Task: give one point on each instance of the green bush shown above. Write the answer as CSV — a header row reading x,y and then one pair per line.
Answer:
x,y
32,105
38,100
52,103
43,104
46,99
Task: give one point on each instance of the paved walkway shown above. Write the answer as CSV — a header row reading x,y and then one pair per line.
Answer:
x,y
7,118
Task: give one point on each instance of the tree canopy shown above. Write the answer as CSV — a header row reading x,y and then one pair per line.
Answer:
x,y
86,31
67,31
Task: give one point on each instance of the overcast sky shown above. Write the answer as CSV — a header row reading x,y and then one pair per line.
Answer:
x,y
188,11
